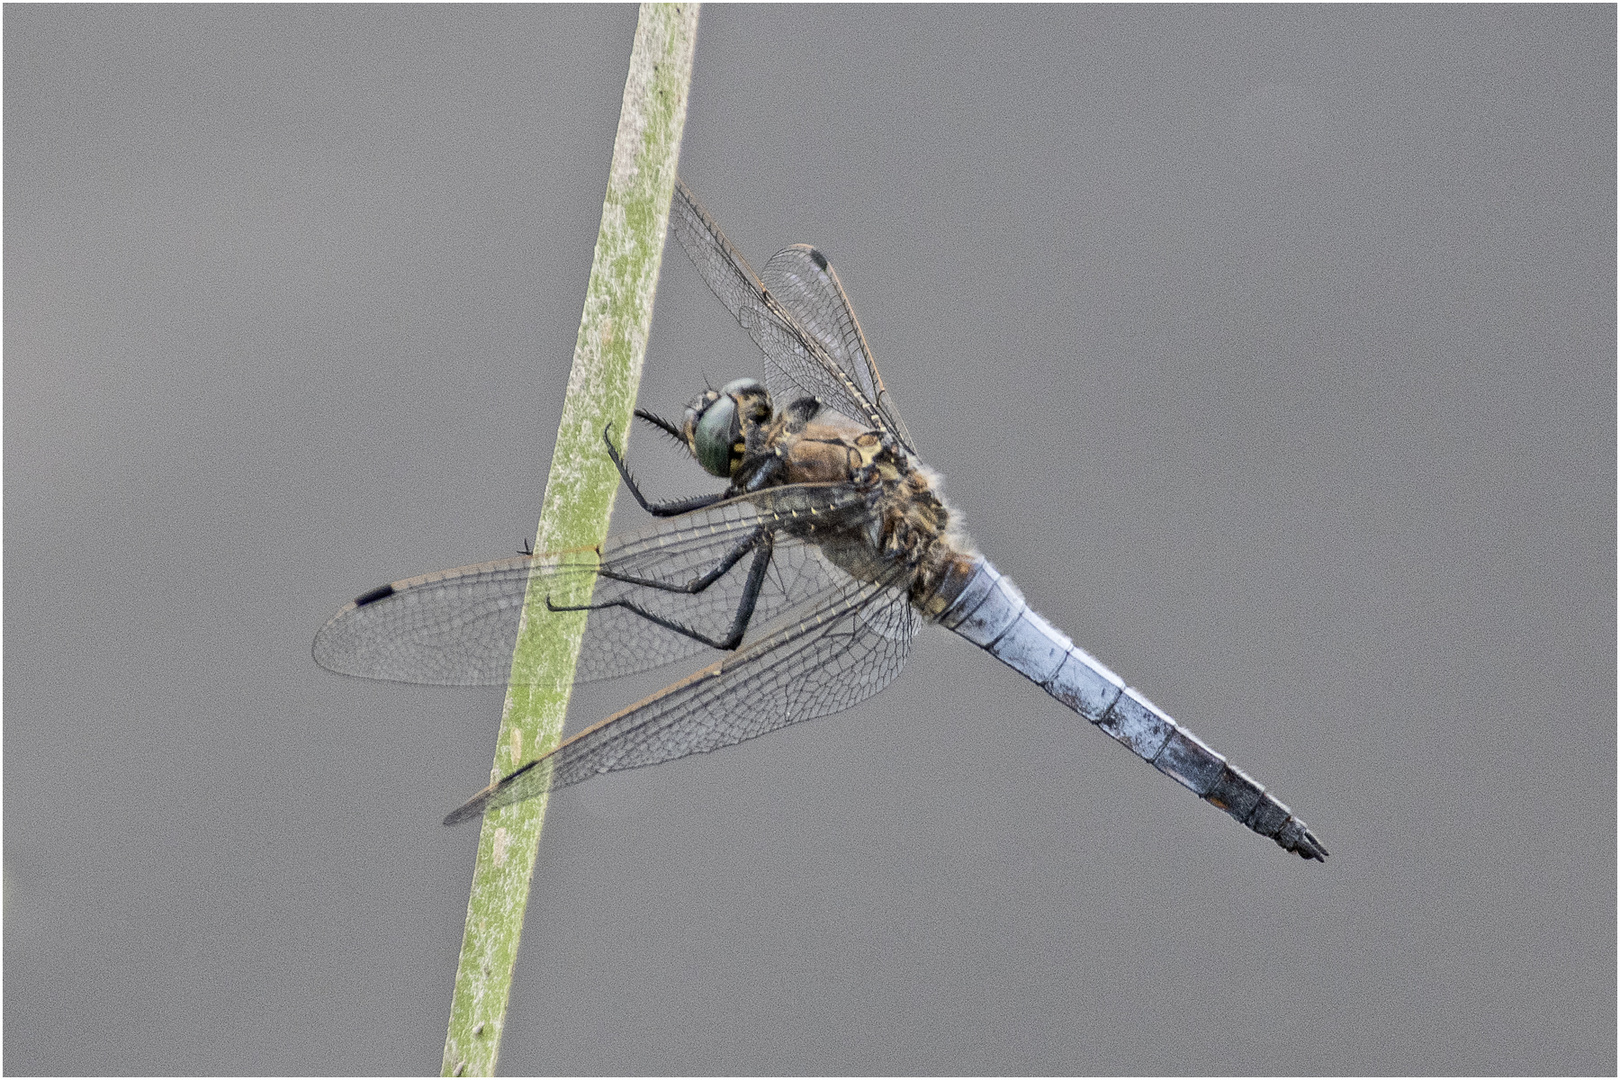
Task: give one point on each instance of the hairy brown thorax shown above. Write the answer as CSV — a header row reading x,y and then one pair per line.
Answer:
x,y
909,527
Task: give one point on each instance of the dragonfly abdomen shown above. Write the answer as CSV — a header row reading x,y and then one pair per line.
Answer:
x,y
991,612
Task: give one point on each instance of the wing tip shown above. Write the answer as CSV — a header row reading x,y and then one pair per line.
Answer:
x,y
372,596
473,807
495,796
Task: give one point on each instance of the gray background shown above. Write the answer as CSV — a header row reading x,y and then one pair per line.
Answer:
x,y
1271,350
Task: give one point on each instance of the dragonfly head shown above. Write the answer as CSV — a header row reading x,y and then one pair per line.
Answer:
x,y
717,424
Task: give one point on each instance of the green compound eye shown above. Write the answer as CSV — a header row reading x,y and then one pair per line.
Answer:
x,y
717,430
719,426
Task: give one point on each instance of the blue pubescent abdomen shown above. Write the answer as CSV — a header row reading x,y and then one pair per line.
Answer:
x,y
991,612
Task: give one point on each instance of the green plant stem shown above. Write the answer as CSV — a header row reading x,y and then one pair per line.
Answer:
x,y
579,499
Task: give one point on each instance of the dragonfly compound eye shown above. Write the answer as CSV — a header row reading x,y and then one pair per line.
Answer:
x,y
717,429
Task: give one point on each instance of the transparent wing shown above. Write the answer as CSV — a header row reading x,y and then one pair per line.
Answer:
x,y
806,284
459,627
821,656
796,356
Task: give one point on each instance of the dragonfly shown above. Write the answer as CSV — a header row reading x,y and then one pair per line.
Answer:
x,y
809,575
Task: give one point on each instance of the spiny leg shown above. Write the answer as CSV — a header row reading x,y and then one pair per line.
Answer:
x,y
666,426
672,508
765,475
697,584
763,542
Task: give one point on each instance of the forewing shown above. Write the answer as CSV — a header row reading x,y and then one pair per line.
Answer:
x,y
794,357
802,280
459,627
448,628
821,656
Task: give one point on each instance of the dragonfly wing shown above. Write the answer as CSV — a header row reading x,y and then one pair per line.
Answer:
x,y
459,627
821,656
456,627
794,357
806,284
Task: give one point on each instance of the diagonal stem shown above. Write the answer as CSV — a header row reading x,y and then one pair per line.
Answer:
x,y
579,498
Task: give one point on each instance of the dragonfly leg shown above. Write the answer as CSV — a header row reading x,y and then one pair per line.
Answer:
x,y
664,509
763,546
764,475
663,425
697,584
